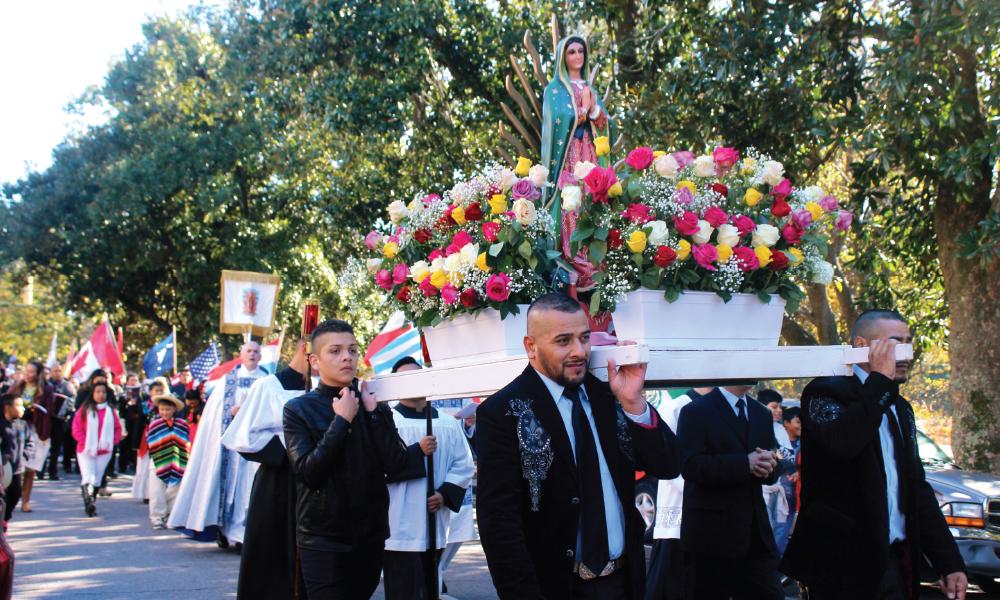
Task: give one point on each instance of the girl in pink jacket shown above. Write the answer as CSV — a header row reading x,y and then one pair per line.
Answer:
x,y
97,431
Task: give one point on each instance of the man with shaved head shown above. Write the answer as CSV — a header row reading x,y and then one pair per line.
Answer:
x,y
215,490
558,451
867,517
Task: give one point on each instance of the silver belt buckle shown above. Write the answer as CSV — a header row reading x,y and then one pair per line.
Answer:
x,y
586,574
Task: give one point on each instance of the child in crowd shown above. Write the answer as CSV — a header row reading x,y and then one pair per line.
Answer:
x,y
167,437
15,446
140,485
192,411
97,430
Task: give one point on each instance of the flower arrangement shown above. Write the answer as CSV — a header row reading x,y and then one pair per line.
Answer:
x,y
719,222
483,244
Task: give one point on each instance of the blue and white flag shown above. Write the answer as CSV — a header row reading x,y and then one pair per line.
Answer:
x,y
160,358
205,362
397,339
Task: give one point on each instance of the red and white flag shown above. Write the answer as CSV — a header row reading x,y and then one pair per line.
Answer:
x,y
100,352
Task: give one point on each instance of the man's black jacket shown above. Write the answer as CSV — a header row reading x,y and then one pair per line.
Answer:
x,y
528,490
841,537
340,470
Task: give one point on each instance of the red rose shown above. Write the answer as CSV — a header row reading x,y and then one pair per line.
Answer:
x,y
422,235
779,260
780,208
428,288
473,212
743,224
493,190
746,258
640,214
403,295
665,256
721,190
716,216
791,233
615,239
687,224
599,181
469,298
782,190
640,158
490,231
445,222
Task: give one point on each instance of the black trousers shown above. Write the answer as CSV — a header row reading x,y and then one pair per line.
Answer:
x,y
611,587
331,575
666,576
750,577
11,496
405,574
893,585
58,438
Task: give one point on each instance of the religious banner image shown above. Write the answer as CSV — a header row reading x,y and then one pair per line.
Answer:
x,y
248,302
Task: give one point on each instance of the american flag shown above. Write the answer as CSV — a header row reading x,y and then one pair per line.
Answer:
x,y
205,362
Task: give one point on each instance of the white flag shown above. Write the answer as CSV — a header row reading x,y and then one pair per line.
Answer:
x,y
52,362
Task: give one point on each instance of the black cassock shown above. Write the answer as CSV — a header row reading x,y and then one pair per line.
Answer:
x,y
267,564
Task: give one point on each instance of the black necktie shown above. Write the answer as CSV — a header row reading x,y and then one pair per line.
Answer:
x,y
593,526
740,406
898,451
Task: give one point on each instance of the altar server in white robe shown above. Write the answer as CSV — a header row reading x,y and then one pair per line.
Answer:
x,y
405,566
216,486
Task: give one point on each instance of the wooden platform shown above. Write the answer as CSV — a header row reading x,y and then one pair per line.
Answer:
x,y
667,368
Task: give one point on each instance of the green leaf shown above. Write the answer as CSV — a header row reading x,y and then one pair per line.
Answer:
x,y
524,250
638,260
601,233
595,303
598,250
652,278
533,261
495,249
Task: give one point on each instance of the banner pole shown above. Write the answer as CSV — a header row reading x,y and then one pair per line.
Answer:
x,y
173,335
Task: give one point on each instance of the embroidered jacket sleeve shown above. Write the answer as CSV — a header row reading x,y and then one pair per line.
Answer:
x,y
843,429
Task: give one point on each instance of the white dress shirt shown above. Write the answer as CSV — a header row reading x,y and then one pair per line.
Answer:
x,y
614,515
897,522
732,399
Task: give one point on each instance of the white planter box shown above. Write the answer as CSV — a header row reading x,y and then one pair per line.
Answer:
x,y
699,320
477,338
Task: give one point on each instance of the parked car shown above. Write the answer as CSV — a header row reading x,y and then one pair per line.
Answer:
x,y
970,502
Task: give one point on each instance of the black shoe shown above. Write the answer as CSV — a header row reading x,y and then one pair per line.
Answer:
x,y
114,475
53,478
221,541
239,547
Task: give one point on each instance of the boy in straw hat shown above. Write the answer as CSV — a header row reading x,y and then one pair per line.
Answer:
x,y
168,441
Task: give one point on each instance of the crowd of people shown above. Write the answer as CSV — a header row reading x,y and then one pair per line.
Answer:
x,y
326,491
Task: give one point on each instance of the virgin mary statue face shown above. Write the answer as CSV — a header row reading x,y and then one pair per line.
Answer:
x,y
575,55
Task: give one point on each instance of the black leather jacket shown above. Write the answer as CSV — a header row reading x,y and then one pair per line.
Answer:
x,y
340,470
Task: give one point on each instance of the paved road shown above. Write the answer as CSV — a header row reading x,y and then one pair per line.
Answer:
x,y
60,553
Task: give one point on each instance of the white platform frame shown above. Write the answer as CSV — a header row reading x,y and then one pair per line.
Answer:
x,y
666,368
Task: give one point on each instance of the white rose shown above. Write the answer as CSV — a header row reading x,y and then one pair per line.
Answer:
x,y
419,270
658,233
397,211
453,263
704,166
822,272
469,254
773,172
728,235
538,175
437,265
373,264
582,169
765,235
571,198
666,165
704,232
812,193
524,211
507,179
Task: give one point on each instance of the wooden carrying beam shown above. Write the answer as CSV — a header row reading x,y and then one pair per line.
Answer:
x,y
667,368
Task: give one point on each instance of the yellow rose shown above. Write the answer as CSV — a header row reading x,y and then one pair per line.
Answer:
x,y
523,166
498,204
658,153
637,241
795,254
815,210
481,262
420,270
602,145
683,250
616,190
749,166
725,253
439,279
458,214
455,279
752,197
691,187
390,250
763,255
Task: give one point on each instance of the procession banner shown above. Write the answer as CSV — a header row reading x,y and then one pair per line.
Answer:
x,y
248,302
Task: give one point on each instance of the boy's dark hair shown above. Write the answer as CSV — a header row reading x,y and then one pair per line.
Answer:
x,y
8,399
863,325
790,413
555,301
766,397
406,360
330,326
192,395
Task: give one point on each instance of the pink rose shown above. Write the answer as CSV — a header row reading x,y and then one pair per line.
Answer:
x,y
373,240
384,279
399,273
684,157
705,255
429,198
490,231
844,220
782,190
449,293
725,157
802,218
461,238
745,258
716,216
525,189
828,203
640,158
599,181
436,253
428,288
791,233
452,249
687,224
640,214
683,196
498,287
743,224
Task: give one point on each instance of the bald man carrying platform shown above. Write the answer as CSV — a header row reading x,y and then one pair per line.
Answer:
x,y
558,451
215,490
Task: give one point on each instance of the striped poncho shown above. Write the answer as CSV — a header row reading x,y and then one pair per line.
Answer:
x,y
168,448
